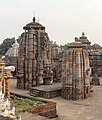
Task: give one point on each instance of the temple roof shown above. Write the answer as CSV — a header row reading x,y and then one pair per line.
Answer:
x,y
54,44
75,45
83,39
96,46
34,25
96,53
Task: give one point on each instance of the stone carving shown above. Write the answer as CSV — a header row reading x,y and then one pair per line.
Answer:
x,y
75,75
34,55
48,75
5,75
95,80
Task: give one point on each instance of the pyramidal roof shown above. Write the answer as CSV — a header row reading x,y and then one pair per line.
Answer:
x,y
83,39
34,25
96,46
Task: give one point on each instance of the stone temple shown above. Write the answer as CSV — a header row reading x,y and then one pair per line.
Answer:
x,y
95,55
34,65
11,56
76,72
40,62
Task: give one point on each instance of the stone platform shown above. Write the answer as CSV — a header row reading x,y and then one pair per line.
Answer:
x,y
46,91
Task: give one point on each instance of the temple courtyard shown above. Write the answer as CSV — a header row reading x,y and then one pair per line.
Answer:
x,y
87,109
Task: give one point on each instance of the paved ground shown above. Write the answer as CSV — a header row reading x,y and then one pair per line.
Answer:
x,y
88,109
54,86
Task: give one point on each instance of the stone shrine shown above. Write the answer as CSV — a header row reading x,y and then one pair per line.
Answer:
x,y
76,72
11,56
95,55
34,56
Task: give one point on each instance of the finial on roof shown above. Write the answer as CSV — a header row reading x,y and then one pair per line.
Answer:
x,y
34,19
83,34
76,39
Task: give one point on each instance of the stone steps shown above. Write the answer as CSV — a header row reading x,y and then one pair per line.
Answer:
x,y
34,92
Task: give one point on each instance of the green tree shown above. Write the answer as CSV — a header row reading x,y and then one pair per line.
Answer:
x,y
7,43
64,47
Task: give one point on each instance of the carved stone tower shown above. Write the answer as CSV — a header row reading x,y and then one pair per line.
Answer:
x,y
34,55
76,72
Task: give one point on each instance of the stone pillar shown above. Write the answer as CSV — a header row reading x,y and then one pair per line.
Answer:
x,y
1,74
76,75
7,77
7,87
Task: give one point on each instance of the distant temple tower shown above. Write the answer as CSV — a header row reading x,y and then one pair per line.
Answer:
x,y
83,39
34,56
11,55
76,72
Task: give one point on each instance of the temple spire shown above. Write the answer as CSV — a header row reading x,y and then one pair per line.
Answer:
x,y
83,33
34,19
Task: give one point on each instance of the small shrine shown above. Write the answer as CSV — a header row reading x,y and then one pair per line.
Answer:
x,y
76,72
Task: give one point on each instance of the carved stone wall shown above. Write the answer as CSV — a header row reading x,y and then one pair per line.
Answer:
x,y
5,75
34,55
96,63
76,72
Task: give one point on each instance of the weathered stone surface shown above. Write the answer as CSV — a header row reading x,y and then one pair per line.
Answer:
x,y
5,75
34,56
6,112
48,110
96,63
5,118
95,55
76,72
11,56
46,91
95,80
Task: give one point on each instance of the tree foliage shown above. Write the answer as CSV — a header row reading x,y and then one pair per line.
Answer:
x,y
64,47
7,43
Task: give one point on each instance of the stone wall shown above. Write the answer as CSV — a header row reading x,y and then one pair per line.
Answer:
x,y
48,110
76,72
34,56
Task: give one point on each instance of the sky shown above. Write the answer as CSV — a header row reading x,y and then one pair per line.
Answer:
x,y
64,19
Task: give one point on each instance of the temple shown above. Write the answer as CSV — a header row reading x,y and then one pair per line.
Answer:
x,y
76,72
34,65
40,62
11,56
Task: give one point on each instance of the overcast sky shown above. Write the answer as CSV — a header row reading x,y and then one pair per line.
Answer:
x,y
64,19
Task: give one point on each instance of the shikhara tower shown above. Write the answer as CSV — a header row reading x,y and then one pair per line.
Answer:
x,y
76,72
34,55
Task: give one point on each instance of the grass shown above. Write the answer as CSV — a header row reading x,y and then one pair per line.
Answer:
x,y
23,105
